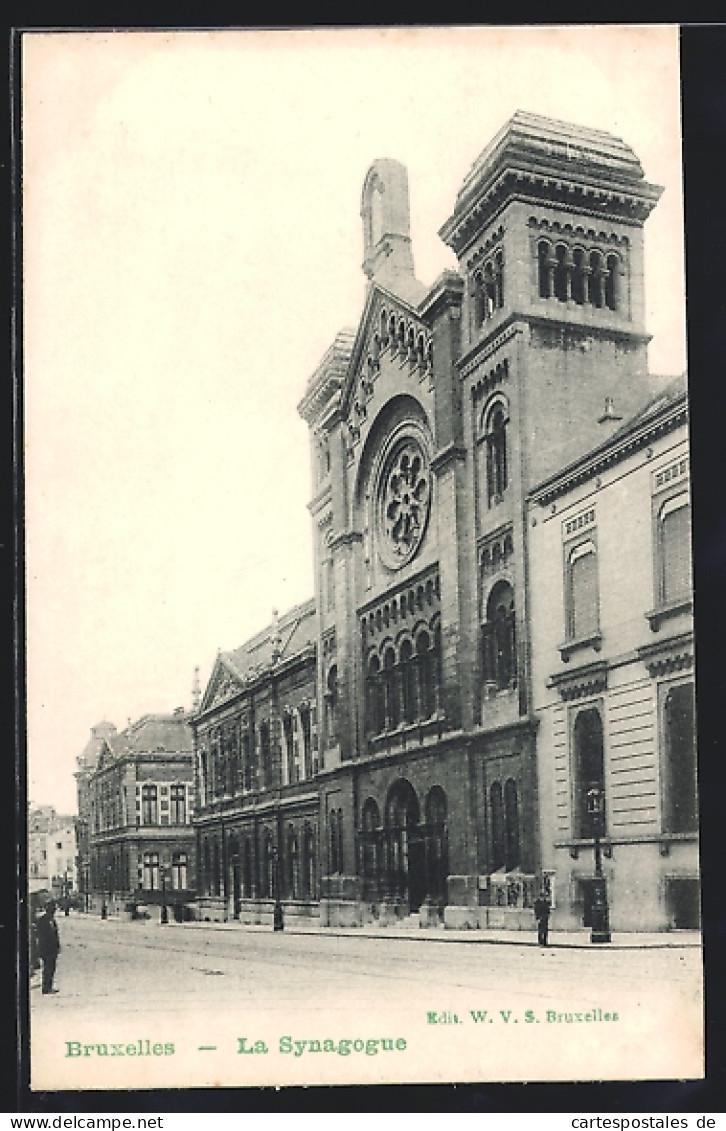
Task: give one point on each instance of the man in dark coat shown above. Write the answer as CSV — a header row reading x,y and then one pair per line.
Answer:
x,y
46,930
542,915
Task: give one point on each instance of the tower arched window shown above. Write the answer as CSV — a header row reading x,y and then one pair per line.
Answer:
x,y
562,273
331,704
579,277
496,449
499,639
545,270
611,282
597,280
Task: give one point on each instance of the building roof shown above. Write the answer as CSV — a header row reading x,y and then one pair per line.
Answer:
x,y
152,734
667,409
281,640
535,157
543,141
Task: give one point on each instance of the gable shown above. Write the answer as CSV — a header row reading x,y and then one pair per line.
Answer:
x,y
388,327
223,684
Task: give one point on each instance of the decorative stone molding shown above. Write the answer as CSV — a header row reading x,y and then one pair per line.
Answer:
x,y
675,654
594,641
655,617
588,679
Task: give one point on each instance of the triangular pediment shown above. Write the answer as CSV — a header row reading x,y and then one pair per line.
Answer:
x,y
106,755
223,684
375,334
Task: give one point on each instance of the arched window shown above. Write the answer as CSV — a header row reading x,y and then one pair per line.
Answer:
x,y
331,705
265,755
579,277
308,864
583,616
287,731
611,282
496,449
409,690
562,273
305,713
680,804
375,706
390,684
597,280
589,766
293,864
370,848
674,550
499,640
426,675
545,270
511,825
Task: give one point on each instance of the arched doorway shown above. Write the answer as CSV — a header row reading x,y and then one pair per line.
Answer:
x,y
405,846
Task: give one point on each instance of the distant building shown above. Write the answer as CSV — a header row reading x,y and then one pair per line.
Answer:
x,y
141,842
86,764
52,852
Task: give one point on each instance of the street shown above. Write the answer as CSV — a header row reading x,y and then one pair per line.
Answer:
x,y
202,988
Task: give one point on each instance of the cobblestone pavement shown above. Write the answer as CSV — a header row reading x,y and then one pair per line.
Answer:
x,y
462,1011
138,965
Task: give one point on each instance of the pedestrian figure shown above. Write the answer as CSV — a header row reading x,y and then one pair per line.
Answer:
x,y
48,945
542,915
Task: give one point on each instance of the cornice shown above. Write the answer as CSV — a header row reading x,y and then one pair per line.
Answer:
x,y
631,203
486,347
588,679
673,654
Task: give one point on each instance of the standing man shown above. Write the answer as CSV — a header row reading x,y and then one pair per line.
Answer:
x,y
542,915
48,945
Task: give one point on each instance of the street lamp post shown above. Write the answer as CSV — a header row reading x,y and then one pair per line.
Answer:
x,y
600,913
277,918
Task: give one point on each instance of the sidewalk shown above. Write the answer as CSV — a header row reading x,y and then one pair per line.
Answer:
x,y
557,939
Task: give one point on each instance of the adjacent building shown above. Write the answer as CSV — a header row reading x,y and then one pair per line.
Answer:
x,y
613,672
393,750
141,841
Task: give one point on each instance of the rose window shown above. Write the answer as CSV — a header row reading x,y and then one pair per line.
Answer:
x,y
404,502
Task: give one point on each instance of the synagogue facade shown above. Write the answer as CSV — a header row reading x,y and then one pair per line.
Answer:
x,y
387,752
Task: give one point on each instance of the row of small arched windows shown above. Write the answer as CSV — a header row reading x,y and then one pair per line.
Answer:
x,y
403,684
403,339
576,275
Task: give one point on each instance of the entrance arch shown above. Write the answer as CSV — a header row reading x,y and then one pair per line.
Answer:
x,y
405,846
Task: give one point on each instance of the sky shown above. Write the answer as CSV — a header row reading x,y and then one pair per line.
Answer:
x,y
192,243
